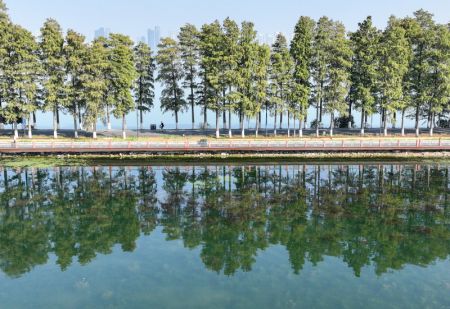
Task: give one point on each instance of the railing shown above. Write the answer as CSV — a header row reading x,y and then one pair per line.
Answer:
x,y
224,145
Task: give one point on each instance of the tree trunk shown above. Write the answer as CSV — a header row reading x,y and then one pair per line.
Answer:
x,y
289,125
320,105
243,127
317,120
124,127
281,119
300,129
275,123
205,118
75,126
75,121
192,108
176,120
30,132
331,124
362,121
258,121
80,122
217,124
108,120
16,131
141,119
55,124
57,119
403,122
266,120
350,114
224,115
34,120
94,130
417,122
385,123
230,133
431,124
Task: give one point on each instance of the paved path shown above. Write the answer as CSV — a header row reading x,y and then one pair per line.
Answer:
x,y
229,146
211,132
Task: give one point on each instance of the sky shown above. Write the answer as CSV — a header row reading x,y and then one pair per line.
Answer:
x,y
134,17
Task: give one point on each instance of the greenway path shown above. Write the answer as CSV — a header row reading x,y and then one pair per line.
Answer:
x,y
198,142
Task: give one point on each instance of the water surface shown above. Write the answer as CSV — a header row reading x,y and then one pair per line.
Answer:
x,y
225,236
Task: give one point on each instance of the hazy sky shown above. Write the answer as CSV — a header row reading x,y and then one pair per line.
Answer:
x,y
134,17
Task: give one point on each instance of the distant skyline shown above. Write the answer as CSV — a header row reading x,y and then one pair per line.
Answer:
x,y
102,32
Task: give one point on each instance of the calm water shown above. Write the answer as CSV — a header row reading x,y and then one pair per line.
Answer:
x,y
252,236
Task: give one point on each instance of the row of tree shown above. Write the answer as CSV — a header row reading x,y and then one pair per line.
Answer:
x,y
61,73
223,68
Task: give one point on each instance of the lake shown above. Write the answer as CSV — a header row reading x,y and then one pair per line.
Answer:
x,y
354,235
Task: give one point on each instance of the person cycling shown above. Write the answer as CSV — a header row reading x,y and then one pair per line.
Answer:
x,y
161,126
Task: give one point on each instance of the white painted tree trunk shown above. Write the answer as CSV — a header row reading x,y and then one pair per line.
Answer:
x,y
124,127
30,119
55,125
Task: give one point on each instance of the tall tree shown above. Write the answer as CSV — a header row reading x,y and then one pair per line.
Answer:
x,y
212,67
280,76
364,69
74,51
301,51
20,70
320,60
53,61
123,74
188,38
230,62
94,83
259,89
5,33
338,83
170,74
144,84
393,58
419,31
439,73
248,51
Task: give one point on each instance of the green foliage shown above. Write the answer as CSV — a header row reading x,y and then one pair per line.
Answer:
x,y
301,51
212,66
144,84
74,53
53,62
259,94
281,71
189,48
337,72
123,73
170,75
94,82
393,63
247,64
363,72
20,73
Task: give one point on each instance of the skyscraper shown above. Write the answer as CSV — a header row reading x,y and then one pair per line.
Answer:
x,y
102,32
154,36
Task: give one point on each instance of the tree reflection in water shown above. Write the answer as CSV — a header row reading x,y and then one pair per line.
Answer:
x,y
381,215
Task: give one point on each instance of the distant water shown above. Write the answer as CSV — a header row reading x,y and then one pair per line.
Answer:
x,y
225,236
